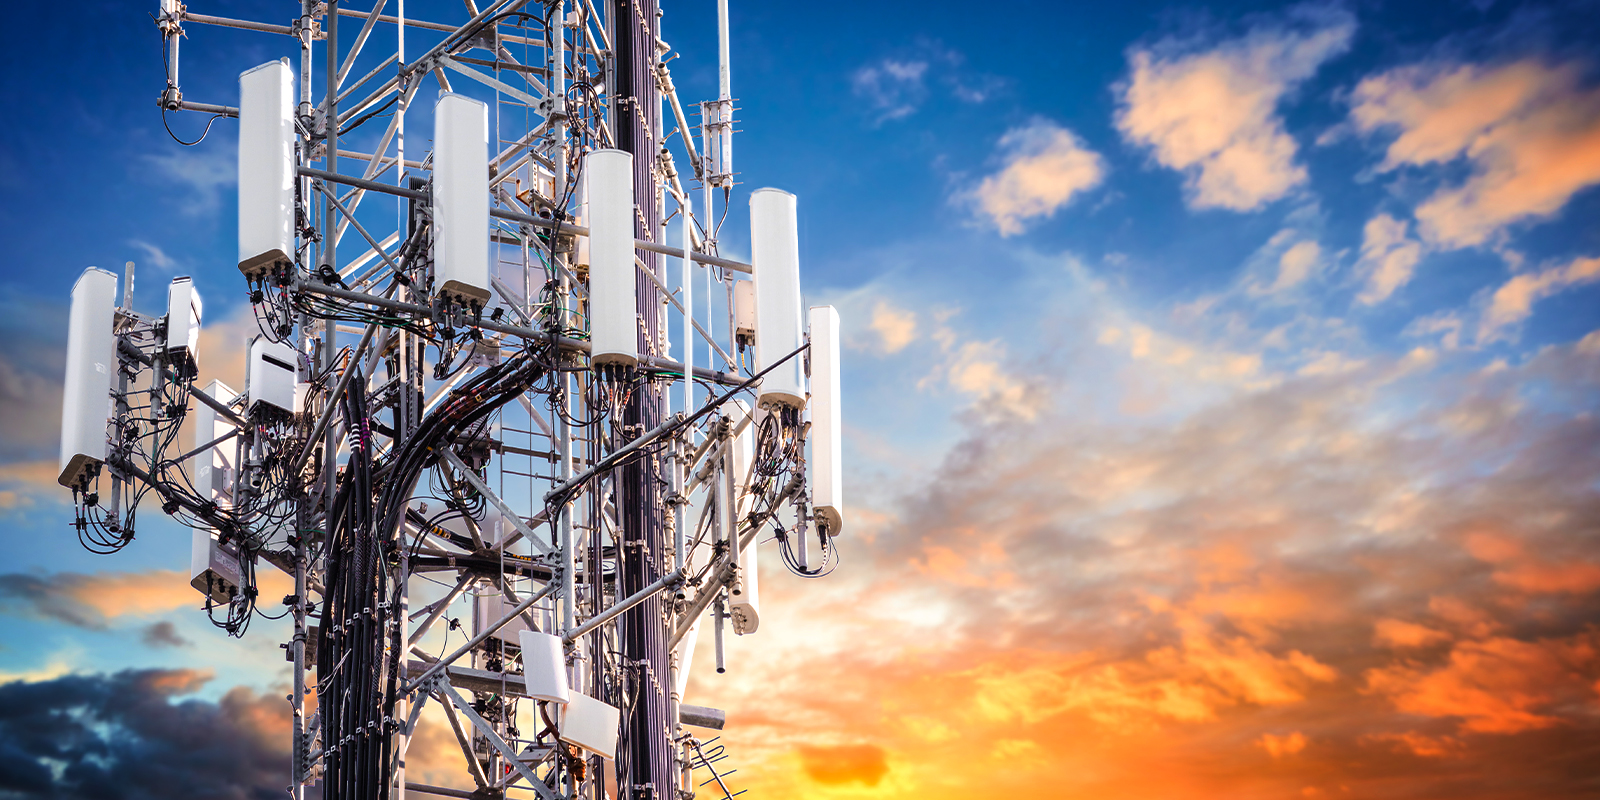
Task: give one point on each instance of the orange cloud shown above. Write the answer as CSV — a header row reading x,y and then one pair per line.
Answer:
x,y
1275,569
1213,114
1513,301
1418,744
1279,746
1529,130
1497,685
91,601
865,764
895,327
1402,634
1045,167
114,594
1516,568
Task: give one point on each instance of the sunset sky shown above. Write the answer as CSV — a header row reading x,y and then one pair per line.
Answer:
x,y
1221,392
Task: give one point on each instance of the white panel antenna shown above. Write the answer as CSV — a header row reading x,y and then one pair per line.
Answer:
x,y
91,362
590,724
613,286
490,607
580,251
775,264
461,198
183,326
214,467
266,169
745,590
827,438
544,666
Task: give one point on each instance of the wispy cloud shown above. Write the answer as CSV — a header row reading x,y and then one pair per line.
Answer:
x,y
203,172
1044,166
898,86
1512,302
92,601
155,256
1529,131
893,88
1389,257
1211,110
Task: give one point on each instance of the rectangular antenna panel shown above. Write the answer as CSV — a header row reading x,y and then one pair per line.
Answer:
x,y
91,363
746,587
590,724
266,168
613,312
775,265
744,312
272,375
489,608
580,251
183,324
461,198
544,666
826,466
214,468
213,567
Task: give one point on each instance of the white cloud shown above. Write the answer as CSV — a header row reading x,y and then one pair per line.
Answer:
x,y
1529,132
1513,301
896,327
205,172
1295,265
894,88
1389,256
155,256
1212,114
1444,324
1045,166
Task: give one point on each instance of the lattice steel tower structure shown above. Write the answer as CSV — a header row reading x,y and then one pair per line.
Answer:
x,y
477,381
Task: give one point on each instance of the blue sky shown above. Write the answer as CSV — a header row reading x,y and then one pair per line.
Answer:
x,y
1135,234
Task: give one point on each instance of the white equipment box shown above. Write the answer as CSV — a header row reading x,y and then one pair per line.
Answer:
x,y
213,567
183,326
272,376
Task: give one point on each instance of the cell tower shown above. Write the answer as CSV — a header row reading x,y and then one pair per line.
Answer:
x,y
474,400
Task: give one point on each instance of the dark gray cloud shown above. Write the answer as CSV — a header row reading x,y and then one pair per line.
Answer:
x,y
131,736
47,596
164,634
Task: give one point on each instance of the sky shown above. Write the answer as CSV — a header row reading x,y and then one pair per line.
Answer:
x,y
1219,414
